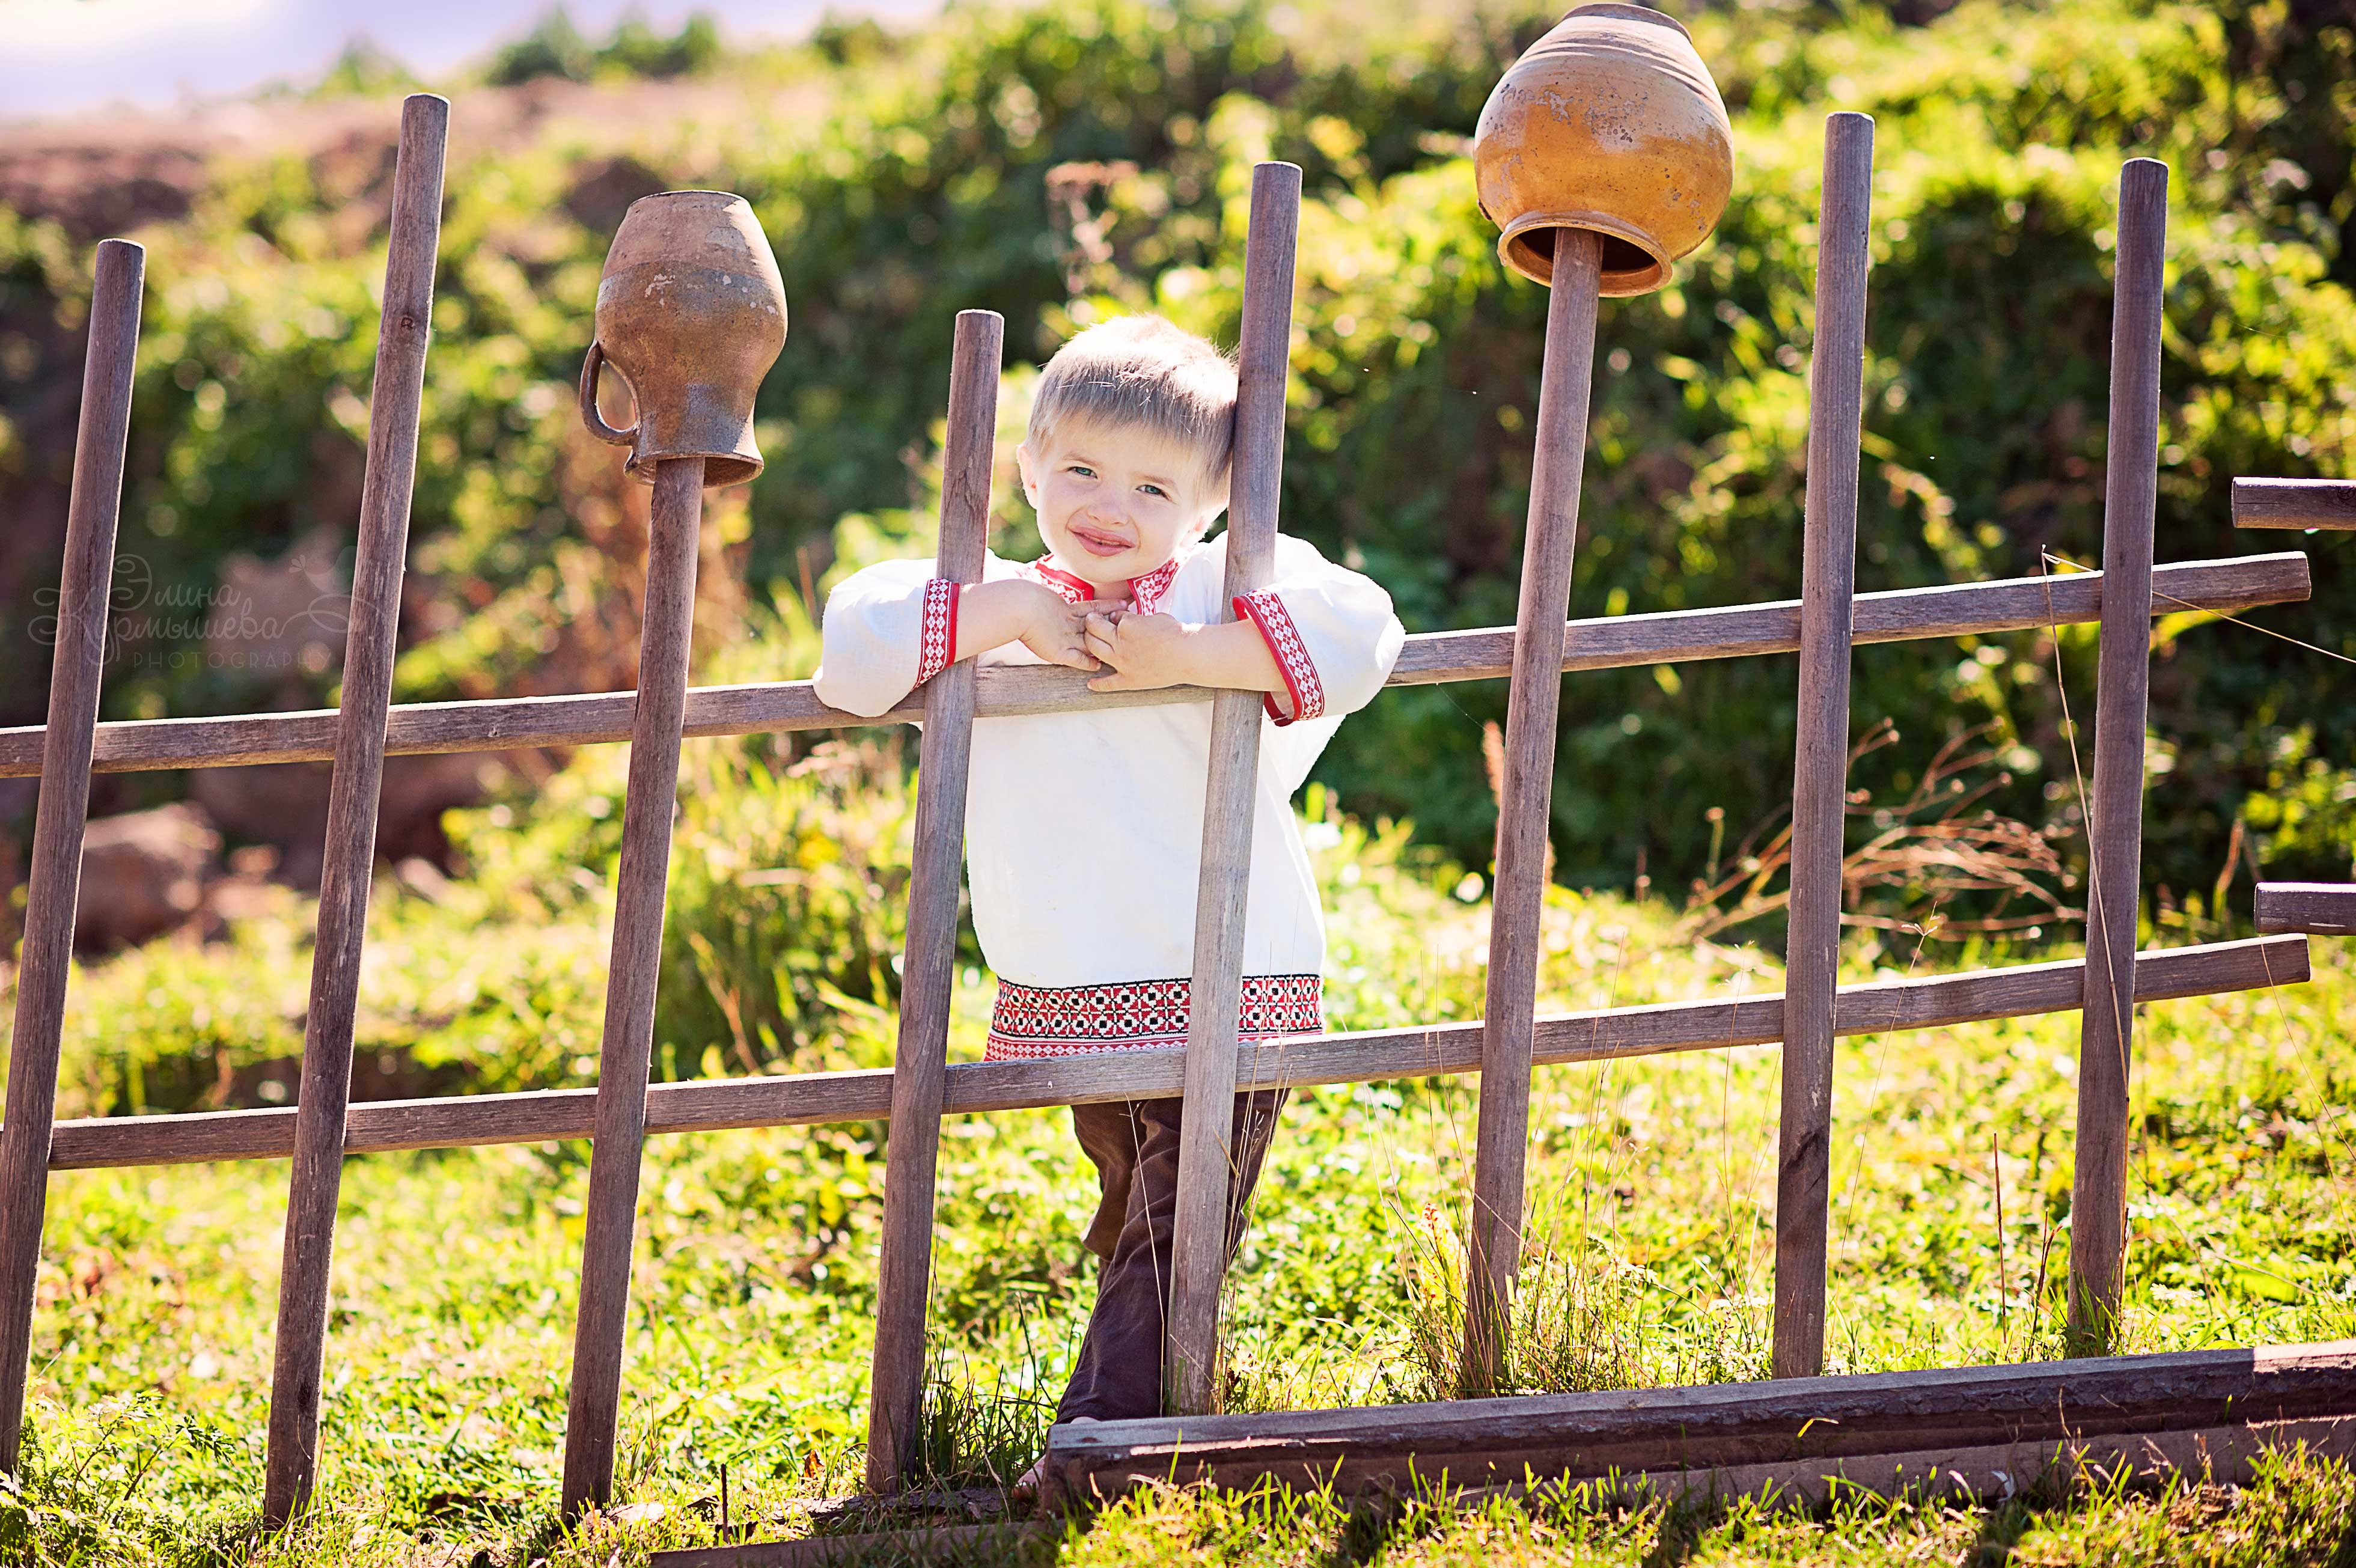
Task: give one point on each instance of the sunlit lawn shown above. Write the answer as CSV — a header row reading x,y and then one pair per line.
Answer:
x,y
454,1282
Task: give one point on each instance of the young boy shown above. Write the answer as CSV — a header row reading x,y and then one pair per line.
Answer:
x,y
1085,830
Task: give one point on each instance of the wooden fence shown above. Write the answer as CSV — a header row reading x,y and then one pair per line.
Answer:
x,y
1823,627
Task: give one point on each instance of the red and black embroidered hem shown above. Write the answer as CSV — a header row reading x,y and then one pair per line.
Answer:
x,y
1031,1021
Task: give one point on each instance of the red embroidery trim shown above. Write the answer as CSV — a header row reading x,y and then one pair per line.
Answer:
x,y
1075,590
1145,592
936,638
1031,1022
1275,623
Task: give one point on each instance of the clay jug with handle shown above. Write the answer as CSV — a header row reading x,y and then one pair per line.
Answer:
x,y
692,311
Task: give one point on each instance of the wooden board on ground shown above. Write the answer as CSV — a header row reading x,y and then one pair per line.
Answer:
x,y
1783,1426
2225,1456
997,1543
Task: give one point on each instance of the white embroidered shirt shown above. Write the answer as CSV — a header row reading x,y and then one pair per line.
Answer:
x,y
1083,830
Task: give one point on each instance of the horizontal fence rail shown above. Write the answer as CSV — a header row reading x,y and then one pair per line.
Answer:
x,y
2294,503
1610,642
2325,908
815,1099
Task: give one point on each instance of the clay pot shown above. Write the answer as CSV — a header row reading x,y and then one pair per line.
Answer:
x,y
1610,122
693,312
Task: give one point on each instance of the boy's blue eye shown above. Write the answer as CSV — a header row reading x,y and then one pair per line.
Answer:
x,y
1154,490
1082,469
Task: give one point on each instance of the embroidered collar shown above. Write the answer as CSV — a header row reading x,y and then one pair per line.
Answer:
x,y
1075,590
1146,593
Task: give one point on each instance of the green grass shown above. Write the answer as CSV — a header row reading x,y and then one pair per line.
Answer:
x,y
752,1301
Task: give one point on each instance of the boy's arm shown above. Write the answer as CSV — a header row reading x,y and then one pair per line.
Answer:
x,y
890,627
1330,631
1015,609
1318,641
884,630
1146,652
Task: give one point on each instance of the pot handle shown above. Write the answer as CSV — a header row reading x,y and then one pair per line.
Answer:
x,y
589,415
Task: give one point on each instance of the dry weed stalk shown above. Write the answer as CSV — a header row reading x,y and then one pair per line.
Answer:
x,y
1929,848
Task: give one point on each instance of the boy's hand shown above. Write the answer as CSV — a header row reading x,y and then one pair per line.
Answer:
x,y
1057,631
1143,652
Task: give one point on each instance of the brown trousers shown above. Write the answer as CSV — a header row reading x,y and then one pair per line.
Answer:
x,y
1134,1144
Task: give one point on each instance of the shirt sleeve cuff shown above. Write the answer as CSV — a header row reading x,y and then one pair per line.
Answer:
x,y
936,639
1267,612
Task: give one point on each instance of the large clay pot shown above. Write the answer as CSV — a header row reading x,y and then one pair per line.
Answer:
x,y
693,312
1610,122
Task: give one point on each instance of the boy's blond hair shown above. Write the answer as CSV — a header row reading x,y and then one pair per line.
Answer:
x,y
1143,370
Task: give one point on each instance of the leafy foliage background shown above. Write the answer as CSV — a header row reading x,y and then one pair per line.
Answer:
x,y
1057,162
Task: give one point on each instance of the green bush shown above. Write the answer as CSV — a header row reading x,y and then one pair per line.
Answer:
x,y
555,47
1057,162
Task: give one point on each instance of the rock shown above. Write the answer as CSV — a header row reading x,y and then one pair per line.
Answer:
x,y
275,629
143,874
239,897
284,804
417,789
423,877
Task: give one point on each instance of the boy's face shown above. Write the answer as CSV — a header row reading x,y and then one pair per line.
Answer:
x,y
1116,502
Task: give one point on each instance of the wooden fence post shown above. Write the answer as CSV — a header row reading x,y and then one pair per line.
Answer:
x,y
1518,901
2114,815
1198,1253
352,795
76,670
1820,765
623,1056
928,972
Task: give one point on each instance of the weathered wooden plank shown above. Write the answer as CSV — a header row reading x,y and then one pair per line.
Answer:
x,y
708,1105
1198,1239
1658,1431
1526,807
2294,503
1610,642
1000,1540
1990,1472
352,793
1820,757
2114,828
77,670
623,1056
929,969
2325,908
